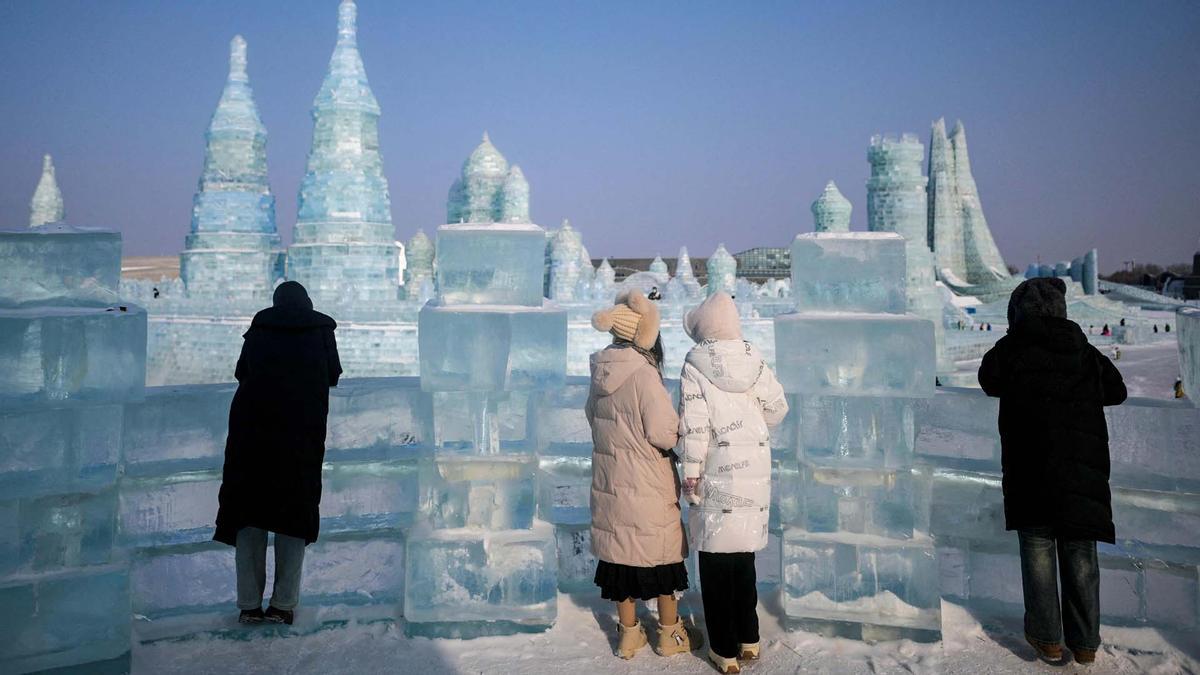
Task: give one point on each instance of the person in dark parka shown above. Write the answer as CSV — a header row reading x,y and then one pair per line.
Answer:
x,y
1053,386
275,448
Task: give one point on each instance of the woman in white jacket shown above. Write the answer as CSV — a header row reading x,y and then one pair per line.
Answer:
x,y
728,398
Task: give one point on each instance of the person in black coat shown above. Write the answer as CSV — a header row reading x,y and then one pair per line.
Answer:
x,y
1053,386
276,445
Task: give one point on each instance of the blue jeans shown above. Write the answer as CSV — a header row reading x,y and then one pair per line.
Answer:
x,y
1079,618
251,559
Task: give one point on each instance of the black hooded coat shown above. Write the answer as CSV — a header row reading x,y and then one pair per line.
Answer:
x,y
1053,386
276,442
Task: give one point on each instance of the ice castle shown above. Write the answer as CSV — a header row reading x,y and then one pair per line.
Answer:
x,y
456,485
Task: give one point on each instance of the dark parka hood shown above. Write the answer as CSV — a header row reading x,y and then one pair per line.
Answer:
x,y
291,308
1040,297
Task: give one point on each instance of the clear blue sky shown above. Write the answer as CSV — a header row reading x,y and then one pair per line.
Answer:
x,y
648,124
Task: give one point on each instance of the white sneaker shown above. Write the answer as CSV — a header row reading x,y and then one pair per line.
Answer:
x,y
723,664
749,652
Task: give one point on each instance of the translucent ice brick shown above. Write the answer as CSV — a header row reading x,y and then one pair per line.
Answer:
x,y
497,421
561,425
179,509
842,431
59,265
957,427
968,506
1155,444
465,348
849,272
57,450
371,419
861,579
177,429
787,497
500,264
494,492
362,496
56,532
886,503
1187,332
576,564
855,354
565,490
72,353
471,582
66,619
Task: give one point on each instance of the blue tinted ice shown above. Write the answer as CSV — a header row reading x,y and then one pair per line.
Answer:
x,y
891,504
499,264
59,265
1187,332
488,348
849,272
56,450
493,492
854,431
855,354
564,490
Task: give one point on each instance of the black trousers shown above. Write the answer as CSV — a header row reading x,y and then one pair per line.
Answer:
x,y
727,587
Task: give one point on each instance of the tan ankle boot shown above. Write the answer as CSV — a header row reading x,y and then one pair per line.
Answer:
x,y
633,638
674,640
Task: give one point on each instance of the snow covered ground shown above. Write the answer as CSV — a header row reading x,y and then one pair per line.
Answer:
x,y
583,638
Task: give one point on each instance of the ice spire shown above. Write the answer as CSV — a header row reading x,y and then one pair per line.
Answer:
x,y
344,248
233,246
565,262
831,210
722,271
515,206
47,203
659,268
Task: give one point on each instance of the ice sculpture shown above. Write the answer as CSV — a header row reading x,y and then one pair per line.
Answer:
x,y
565,255
233,249
479,563
965,254
344,248
419,256
606,281
658,267
685,275
47,203
857,558
71,361
831,210
722,271
488,191
1187,332
896,203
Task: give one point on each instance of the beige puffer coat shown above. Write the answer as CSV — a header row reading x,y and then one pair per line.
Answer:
x,y
635,491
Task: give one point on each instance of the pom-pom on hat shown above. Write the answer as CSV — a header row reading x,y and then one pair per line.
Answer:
x,y
633,319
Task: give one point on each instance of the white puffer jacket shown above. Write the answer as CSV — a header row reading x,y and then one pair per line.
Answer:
x,y
728,398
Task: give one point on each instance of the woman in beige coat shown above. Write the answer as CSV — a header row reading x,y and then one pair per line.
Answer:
x,y
637,533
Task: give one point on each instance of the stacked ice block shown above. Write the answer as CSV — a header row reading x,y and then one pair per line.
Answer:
x,y
183,583
857,558
71,360
480,563
1187,332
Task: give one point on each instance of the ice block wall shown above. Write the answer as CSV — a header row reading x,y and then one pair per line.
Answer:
x,y
857,557
1148,578
70,362
479,562
1187,332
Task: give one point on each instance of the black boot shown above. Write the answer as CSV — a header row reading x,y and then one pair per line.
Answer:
x,y
275,615
251,616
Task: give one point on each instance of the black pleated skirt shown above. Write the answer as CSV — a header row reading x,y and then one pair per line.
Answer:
x,y
620,582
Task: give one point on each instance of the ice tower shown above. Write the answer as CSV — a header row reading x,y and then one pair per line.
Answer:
x,y
857,558
47,203
72,355
345,250
419,270
685,275
566,247
831,210
488,191
896,203
233,249
966,256
479,562
722,271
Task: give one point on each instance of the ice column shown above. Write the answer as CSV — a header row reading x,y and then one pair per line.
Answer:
x,y
565,249
233,249
479,563
344,248
857,558
47,203
722,271
896,202
1187,332
831,210
419,270
71,360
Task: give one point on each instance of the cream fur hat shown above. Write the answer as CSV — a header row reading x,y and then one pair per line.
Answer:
x,y
714,319
634,319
